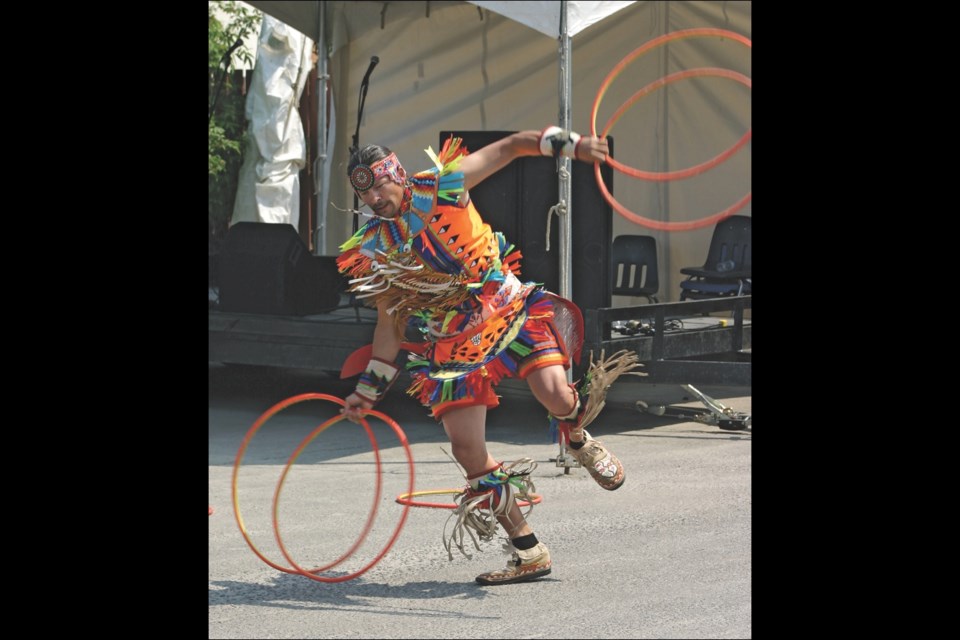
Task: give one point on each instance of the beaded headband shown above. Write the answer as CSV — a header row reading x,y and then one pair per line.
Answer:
x,y
364,176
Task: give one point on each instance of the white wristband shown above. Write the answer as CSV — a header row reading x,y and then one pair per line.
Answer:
x,y
555,142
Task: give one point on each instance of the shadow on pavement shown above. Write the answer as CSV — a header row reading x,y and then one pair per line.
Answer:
x,y
239,395
290,591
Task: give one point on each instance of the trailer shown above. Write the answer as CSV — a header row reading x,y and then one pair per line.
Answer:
x,y
691,342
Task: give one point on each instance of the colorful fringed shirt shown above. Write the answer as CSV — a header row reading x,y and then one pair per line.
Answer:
x,y
443,270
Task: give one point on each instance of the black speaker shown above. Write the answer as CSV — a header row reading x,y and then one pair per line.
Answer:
x,y
266,268
516,200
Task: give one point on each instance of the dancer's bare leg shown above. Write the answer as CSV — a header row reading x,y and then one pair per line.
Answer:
x,y
467,428
551,389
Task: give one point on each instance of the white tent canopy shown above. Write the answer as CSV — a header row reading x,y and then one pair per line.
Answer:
x,y
490,66
545,16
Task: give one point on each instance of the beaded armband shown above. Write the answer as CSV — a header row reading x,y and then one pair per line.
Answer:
x,y
376,380
556,142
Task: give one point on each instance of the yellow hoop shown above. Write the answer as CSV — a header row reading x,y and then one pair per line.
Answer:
x,y
407,499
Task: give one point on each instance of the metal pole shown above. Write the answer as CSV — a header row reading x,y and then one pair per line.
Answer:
x,y
566,234
320,235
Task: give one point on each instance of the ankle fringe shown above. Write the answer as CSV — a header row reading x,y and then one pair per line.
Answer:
x,y
600,376
476,515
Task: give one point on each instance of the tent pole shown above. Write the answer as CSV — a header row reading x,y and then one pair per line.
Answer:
x,y
320,234
566,288
565,163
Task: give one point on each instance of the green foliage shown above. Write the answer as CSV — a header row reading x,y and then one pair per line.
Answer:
x,y
227,102
219,143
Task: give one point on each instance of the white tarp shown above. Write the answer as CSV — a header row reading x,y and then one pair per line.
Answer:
x,y
269,181
545,16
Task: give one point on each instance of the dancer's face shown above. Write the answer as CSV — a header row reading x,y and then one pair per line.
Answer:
x,y
384,197
386,179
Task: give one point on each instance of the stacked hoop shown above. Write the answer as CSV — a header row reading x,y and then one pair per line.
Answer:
x,y
407,499
295,568
662,176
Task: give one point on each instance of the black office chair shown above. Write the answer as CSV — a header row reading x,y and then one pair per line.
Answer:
x,y
727,270
634,267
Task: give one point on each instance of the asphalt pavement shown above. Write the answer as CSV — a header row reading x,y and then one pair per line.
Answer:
x,y
668,555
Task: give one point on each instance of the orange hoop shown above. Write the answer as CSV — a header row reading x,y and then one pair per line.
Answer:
x,y
296,569
407,499
663,176
668,175
373,512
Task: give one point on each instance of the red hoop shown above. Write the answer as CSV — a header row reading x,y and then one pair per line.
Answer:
x,y
370,519
296,569
663,176
407,499
668,175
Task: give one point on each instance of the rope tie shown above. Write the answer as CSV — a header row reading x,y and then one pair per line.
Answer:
x,y
560,208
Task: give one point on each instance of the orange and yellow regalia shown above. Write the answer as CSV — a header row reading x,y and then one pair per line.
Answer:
x,y
439,267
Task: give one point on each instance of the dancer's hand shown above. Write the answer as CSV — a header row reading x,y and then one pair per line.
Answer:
x,y
354,405
592,149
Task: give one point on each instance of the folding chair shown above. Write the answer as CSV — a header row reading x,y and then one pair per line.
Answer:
x,y
727,269
634,267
